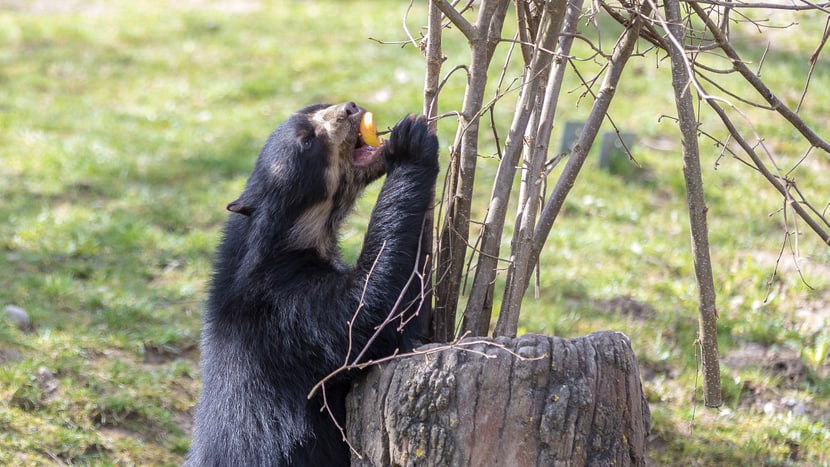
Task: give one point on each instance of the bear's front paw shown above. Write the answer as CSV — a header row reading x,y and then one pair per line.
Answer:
x,y
412,142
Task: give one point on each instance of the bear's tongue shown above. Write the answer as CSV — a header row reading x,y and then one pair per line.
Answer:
x,y
364,154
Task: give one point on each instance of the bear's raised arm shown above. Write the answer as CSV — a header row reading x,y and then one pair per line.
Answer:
x,y
393,253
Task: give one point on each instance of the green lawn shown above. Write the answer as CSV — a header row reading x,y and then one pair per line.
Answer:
x,y
126,127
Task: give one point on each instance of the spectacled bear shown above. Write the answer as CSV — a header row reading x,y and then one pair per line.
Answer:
x,y
284,311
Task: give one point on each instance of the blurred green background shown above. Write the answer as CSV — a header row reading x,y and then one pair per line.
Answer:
x,y
126,127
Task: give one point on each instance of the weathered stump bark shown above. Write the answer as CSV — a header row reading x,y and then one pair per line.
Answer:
x,y
529,401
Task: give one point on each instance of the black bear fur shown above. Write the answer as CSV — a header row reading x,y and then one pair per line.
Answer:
x,y
281,299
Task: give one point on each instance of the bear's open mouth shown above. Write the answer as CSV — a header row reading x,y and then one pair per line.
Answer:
x,y
363,153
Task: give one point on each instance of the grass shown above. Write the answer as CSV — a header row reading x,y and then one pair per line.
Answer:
x,y
126,128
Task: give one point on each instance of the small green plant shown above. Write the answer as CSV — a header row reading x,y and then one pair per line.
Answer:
x,y
817,354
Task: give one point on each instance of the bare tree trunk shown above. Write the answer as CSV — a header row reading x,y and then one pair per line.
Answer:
x,y
533,400
708,332
483,38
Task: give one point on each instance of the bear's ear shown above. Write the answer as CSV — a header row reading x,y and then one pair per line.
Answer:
x,y
240,207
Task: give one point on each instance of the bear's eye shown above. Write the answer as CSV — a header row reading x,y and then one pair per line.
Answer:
x,y
307,142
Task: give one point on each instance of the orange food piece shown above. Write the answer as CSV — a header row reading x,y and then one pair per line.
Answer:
x,y
368,130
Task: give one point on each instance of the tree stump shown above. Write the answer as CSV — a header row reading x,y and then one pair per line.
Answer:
x,y
530,401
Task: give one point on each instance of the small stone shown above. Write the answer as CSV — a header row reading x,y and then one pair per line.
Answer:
x,y
19,317
797,407
799,410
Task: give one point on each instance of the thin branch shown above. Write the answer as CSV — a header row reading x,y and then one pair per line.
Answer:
x,y
813,60
822,7
820,215
457,19
405,27
362,300
327,408
774,180
524,31
439,327
758,84
730,93
649,33
766,5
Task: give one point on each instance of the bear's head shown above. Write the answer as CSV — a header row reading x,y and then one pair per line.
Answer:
x,y
309,174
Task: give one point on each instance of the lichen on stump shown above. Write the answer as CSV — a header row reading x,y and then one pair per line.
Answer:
x,y
532,400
